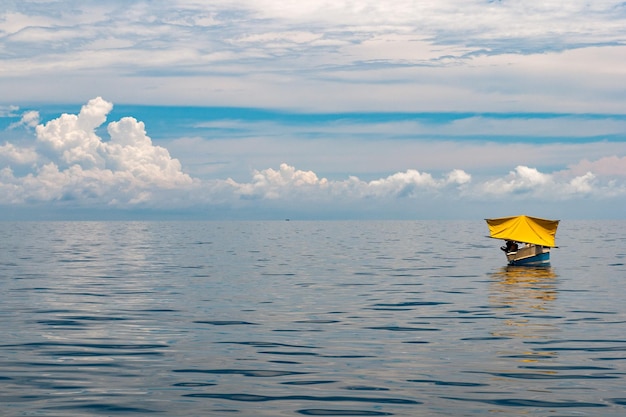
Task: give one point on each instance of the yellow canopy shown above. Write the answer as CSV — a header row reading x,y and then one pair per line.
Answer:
x,y
524,229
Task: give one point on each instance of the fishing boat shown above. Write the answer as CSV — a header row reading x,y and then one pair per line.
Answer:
x,y
527,239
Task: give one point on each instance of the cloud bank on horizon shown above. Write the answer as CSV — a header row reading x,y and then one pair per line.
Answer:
x,y
68,164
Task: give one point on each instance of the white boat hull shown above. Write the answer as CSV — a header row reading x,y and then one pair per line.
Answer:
x,y
530,255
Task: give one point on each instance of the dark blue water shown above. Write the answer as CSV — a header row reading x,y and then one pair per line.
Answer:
x,y
308,318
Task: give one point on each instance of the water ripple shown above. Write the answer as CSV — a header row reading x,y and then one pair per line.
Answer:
x,y
521,402
448,383
404,329
331,412
530,375
257,373
100,408
334,398
225,322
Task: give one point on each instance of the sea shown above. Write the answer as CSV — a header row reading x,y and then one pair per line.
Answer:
x,y
308,318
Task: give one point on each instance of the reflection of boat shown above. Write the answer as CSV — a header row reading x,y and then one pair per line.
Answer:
x,y
517,275
536,235
526,293
525,284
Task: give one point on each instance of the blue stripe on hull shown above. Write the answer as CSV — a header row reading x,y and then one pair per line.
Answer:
x,y
537,260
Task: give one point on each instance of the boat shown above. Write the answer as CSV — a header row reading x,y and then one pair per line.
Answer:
x,y
528,239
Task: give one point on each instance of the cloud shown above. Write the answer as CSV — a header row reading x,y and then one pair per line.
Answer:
x,y
522,180
608,166
68,164
274,39
272,184
130,150
30,119
525,182
373,145
401,184
458,176
73,138
521,186
8,111
13,154
72,163
582,184
287,182
446,55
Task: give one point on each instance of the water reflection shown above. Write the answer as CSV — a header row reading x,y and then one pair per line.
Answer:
x,y
524,295
512,272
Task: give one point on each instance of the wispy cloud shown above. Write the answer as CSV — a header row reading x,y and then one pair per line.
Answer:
x,y
339,55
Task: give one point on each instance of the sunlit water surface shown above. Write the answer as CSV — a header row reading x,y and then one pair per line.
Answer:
x,y
308,318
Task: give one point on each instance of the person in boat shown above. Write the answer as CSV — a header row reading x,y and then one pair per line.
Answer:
x,y
510,246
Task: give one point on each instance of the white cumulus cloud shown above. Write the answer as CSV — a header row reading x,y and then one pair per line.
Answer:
x,y
288,181
30,119
583,183
270,183
73,137
525,182
72,163
15,155
131,150
522,180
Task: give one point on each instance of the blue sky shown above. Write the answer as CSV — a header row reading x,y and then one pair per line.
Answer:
x,y
274,109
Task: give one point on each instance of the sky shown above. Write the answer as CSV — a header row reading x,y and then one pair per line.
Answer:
x,y
266,109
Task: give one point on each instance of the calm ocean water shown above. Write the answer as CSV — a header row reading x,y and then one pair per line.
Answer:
x,y
308,318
